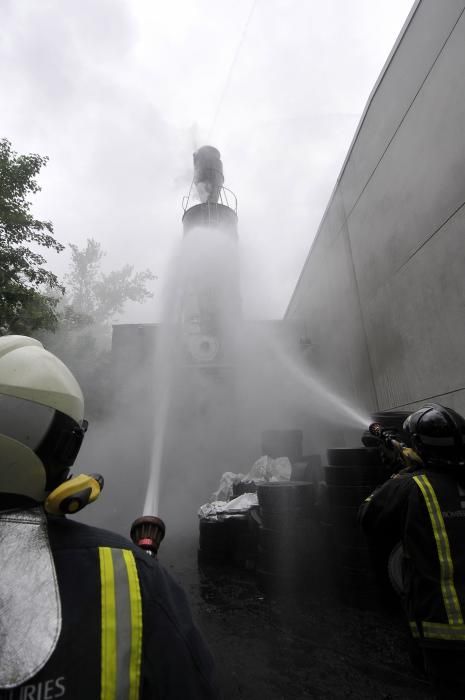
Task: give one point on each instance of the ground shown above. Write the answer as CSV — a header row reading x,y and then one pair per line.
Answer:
x,y
292,648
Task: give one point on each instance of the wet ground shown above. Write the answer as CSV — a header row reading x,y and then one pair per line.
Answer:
x,y
289,647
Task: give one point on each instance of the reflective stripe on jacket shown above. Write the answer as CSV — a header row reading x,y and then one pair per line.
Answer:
x,y
121,625
426,511
127,631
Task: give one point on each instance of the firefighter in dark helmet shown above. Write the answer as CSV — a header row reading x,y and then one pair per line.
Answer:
x,y
84,612
423,507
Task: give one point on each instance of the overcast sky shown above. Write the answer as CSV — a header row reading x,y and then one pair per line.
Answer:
x,y
119,93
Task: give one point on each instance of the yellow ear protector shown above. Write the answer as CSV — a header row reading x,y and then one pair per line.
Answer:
x,y
74,494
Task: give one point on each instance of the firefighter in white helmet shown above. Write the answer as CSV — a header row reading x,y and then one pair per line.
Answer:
x,y
84,612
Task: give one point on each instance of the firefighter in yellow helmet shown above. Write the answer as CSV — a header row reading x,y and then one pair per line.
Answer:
x,y
84,612
423,507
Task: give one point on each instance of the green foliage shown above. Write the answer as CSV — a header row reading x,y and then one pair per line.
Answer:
x,y
98,295
24,305
92,300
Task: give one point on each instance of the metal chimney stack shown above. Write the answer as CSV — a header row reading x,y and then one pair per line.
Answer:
x,y
218,205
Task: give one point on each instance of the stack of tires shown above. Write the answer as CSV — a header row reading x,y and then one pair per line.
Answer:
x,y
308,468
242,537
230,541
214,542
287,536
351,476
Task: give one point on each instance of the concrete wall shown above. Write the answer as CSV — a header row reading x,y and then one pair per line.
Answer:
x,y
382,293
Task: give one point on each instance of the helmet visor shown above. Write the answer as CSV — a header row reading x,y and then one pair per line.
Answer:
x,y
54,437
24,421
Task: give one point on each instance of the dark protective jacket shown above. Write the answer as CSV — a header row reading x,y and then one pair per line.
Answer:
x,y
425,510
127,631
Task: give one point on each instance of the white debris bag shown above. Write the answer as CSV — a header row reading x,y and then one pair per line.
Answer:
x,y
225,489
268,469
220,506
221,510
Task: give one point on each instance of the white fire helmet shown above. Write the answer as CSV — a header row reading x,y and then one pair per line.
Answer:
x,y
41,418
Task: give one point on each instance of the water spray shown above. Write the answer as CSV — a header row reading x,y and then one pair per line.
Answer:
x,y
339,404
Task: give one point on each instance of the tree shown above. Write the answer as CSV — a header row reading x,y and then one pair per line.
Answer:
x,y
102,296
91,302
29,293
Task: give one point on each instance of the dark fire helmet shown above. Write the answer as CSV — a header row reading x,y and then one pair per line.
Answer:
x,y
438,435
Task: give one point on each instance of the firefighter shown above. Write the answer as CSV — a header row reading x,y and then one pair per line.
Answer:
x,y
423,507
84,612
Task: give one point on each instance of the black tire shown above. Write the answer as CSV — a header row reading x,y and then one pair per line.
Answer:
x,y
300,539
214,538
322,504
343,519
211,557
243,542
254,519
286,495
285,520
347,496
371,475
353,456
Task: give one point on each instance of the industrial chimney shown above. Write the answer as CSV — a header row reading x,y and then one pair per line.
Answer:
x,y
218,205
211,298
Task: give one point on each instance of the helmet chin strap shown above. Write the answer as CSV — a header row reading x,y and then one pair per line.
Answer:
x,y
74,494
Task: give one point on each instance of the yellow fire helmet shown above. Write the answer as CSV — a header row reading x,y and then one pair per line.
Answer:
x,y
41,418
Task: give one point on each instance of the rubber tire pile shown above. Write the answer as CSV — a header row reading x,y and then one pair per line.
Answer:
x,y
232,541
288,537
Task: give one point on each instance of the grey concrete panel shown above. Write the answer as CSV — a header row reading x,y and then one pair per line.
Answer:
x,y
416,322
330,227
420,181
334,324
333,221
414,57
454,399
384,306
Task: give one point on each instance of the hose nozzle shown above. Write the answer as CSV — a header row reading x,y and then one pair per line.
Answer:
x,y
375,429
147,533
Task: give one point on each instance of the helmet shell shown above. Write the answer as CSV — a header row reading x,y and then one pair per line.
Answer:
x,y
30,372
438,435
43,407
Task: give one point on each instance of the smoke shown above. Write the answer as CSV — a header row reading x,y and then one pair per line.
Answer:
x,y
194,393
220,381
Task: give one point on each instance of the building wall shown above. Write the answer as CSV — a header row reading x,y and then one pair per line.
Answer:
x,y
382,294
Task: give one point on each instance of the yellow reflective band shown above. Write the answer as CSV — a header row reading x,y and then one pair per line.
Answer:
x,y
136,625
121,620
449,594
108,617
414,629
437,630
